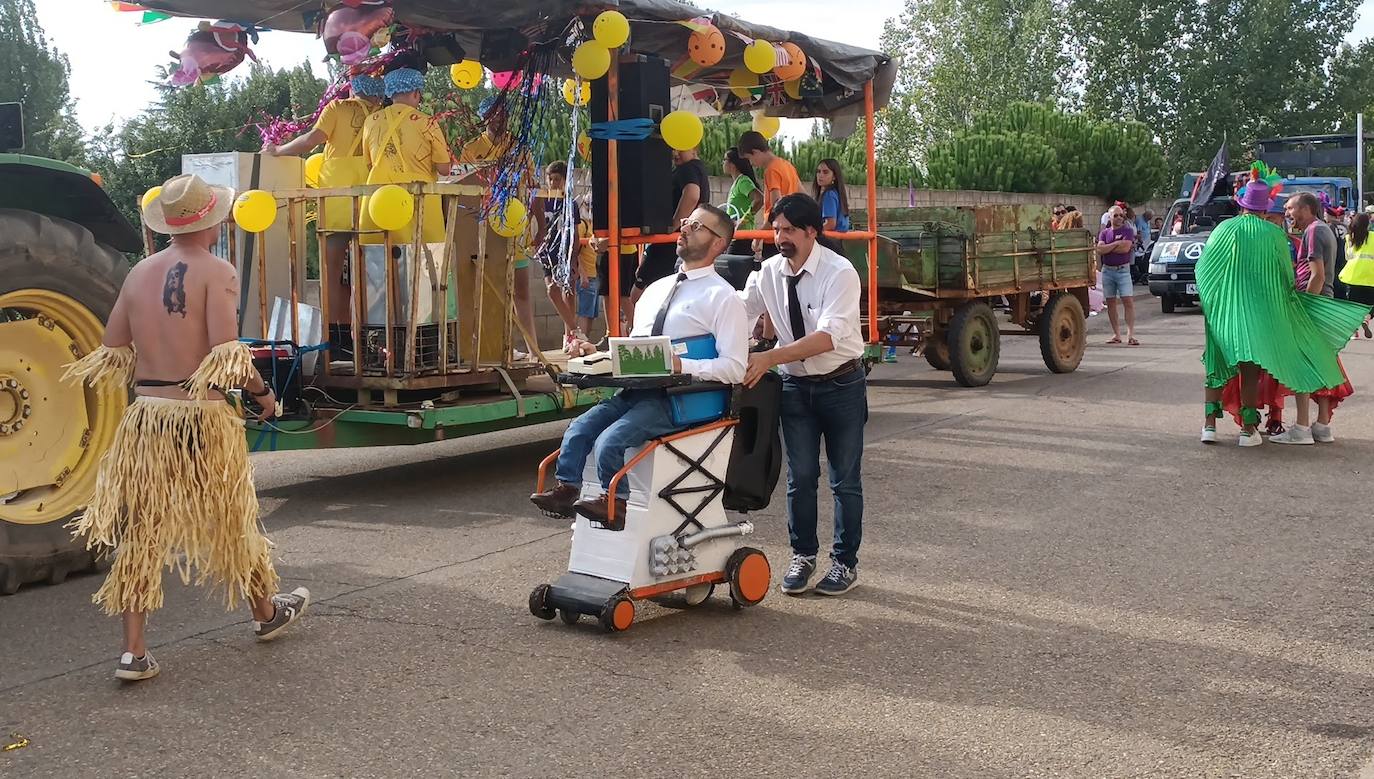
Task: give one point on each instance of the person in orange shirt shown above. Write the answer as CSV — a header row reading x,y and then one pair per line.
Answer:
x,y
780,178
404,145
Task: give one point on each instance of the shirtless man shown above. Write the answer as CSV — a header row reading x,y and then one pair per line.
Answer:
x,y
175,489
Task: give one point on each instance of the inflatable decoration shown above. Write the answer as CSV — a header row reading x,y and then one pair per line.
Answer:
x,y
314,165
150,196
611,29
510,222
353,29
591,60
681,130
213,49
577,94
767,126
791,63
255,210
760,57
466,74
391,207
706,46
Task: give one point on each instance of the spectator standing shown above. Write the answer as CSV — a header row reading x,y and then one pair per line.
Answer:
x,y
745,198
1358,274
779,177
1115,246
830,193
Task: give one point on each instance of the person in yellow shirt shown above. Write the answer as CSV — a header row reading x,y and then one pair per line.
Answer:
x,y
340,129
404,145
1358,274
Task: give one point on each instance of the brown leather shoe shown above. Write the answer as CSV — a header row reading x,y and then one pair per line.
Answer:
x,y
557,502
597,509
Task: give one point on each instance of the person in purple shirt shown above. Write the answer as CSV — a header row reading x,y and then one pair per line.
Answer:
x,y
1115,247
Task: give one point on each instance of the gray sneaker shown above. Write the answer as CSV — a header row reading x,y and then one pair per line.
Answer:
x,y
838,580
136,669
290,607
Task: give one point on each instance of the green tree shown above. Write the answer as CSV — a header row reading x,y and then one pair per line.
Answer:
x,y
36,75
1352,83
963,57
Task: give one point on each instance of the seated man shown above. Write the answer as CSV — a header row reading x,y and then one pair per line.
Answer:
x,y
695,301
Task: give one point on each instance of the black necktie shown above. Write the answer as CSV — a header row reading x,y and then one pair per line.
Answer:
x,y
663,312
794,309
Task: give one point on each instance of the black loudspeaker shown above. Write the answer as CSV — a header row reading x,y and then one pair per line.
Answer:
x,y
11,126
646,167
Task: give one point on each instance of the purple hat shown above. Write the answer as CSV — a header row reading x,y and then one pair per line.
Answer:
x,y
1258,193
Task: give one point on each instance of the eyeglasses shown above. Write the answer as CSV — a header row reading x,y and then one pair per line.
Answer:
x,y
1060,213
690,226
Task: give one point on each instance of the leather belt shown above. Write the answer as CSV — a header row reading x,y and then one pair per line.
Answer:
x,y
844,370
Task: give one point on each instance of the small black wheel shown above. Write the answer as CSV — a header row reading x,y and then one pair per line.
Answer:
x,y
618,614
937,351
1063,333
569,616
974,344
539,603
1166,304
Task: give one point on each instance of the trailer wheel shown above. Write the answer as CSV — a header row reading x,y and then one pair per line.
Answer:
x,y
1166,303
974,344
1063,333
936,351
57,286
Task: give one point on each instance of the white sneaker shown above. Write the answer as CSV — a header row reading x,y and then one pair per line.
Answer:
x,y
1293,435
1251,439
1322,433
1209,435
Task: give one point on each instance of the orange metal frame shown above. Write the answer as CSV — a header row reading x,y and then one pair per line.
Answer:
x,y
714,577
620,238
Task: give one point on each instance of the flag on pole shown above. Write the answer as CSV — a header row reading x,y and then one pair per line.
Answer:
x,y
1202,192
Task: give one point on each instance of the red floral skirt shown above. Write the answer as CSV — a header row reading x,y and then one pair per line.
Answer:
x,y
1272,393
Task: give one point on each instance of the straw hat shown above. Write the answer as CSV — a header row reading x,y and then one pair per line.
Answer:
x,y
187,205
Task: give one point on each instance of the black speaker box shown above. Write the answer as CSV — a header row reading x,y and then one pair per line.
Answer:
x,y
646,167
11,126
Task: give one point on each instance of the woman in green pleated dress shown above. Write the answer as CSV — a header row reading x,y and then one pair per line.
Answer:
x,y
1255,316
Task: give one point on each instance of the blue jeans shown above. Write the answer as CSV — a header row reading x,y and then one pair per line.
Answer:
x,y
626,420
835,410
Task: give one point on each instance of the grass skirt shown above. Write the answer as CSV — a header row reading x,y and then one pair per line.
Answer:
x,y
175,491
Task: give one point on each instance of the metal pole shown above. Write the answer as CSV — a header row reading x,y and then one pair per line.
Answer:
x,y
872,213
1359,159
613,195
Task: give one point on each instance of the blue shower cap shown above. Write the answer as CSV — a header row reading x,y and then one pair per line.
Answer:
x,y
367,86
403,80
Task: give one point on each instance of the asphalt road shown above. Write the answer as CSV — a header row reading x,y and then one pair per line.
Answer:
x,y
1057,581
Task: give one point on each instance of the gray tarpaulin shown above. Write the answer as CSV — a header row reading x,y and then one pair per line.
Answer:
x,y
845,68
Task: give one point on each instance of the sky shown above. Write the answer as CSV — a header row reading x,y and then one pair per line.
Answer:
x,y
113,58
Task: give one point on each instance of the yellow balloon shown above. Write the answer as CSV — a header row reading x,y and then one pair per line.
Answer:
x,y
584,145
391,207
611,29
466,74
510,222
591,60
314,165
575,95
760,57
150,196
742,81
767,126
681,130
792,88
255,210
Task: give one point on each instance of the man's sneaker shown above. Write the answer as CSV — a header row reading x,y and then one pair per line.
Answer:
x,y
290,607
1322,433
1209,435
136,669
1293,435
798,574
838,580
1250,439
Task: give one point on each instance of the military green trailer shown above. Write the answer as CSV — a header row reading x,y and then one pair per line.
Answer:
x,y
953,280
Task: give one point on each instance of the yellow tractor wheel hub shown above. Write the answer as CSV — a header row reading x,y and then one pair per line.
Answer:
x,y
52,433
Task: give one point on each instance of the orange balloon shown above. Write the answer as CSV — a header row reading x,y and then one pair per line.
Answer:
x,y
796,67
706,47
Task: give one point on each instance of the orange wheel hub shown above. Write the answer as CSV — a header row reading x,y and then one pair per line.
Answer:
x,y
623,615
753,577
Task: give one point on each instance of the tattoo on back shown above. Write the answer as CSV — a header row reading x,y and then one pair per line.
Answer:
x,y
174,290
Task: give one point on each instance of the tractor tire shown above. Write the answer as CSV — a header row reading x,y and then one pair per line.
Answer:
x,y
974,344
54,275
937,351
1063,333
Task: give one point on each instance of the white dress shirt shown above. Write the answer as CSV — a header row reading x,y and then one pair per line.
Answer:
x,y
829,293
705,304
